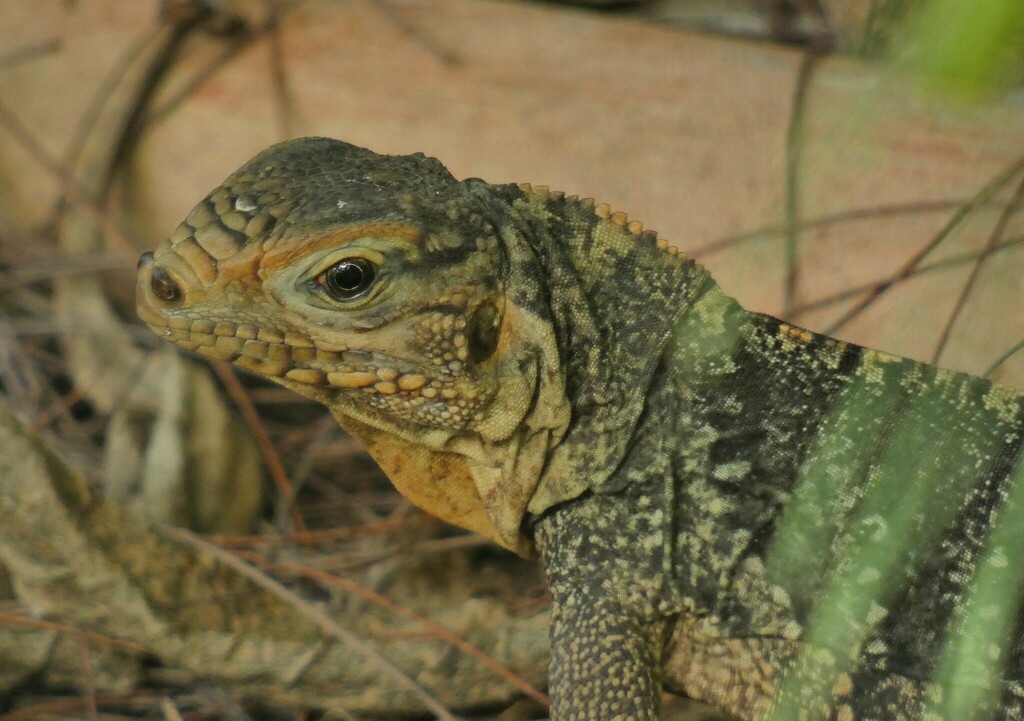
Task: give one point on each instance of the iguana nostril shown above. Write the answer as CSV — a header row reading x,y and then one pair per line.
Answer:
x,y
144,260
164,286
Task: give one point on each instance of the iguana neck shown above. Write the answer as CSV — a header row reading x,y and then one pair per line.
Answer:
x,y
611,293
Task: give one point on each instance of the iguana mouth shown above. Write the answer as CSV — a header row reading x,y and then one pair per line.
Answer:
x,y
287,354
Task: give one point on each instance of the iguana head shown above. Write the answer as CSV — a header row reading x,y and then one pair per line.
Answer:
x,y
491,345
377,286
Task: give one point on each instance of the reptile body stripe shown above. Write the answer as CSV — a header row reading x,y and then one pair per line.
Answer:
x,y
775,522
898,492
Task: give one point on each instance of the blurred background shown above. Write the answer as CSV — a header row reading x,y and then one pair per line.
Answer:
x,y
854,166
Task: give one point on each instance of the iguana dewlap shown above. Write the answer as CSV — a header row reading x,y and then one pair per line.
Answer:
x,y
774,522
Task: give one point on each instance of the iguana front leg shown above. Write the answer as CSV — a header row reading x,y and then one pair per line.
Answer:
x,y
604,660
606,632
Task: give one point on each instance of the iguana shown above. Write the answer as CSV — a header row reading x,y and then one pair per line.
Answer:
x,y
775,522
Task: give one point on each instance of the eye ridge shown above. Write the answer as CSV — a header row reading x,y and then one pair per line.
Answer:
x,y
348,279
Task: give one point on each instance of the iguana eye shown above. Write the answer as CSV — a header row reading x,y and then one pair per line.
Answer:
x,y
164,286
348,279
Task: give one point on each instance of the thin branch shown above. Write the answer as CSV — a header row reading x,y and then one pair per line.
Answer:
x,y
64,705
284,102
30,52
61,265
238,42
169,710
91,708
259,432
436,630
993,240
1014,350
794,151
134,123
319,536
983,196
104,93
76,192
845,216
326,624
892,280
423,39
49,326
17,619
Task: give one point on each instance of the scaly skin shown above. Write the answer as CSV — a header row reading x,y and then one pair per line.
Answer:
x,y
765,519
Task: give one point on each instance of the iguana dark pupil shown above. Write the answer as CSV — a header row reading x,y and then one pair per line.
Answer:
x,y
349,278
164,286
